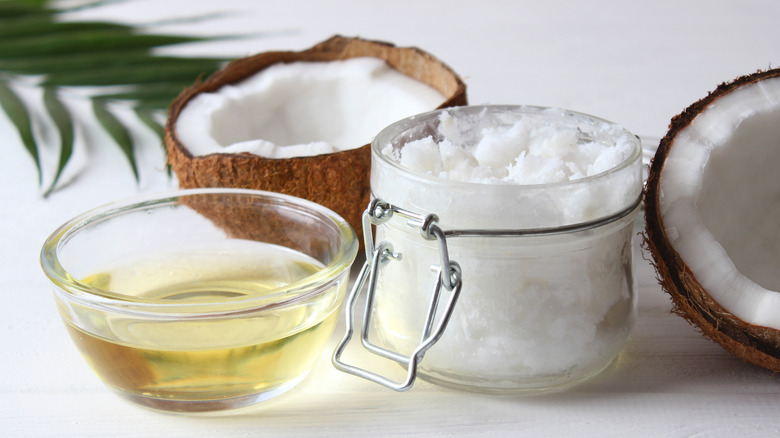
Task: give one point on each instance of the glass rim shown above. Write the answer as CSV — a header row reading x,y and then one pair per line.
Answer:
x,y
396,129
76,290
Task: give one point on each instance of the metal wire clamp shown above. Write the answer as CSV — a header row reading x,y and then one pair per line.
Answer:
x,y
448,278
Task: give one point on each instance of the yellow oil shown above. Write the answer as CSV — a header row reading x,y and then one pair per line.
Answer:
x,y
205,359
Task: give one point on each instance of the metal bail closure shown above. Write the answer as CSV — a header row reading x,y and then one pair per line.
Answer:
x,y
449,278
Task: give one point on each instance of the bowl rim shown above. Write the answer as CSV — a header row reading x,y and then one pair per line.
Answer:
x,y
70,288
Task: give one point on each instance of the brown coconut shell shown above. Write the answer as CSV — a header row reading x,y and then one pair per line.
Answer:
x,y
339,181
244,217
754,344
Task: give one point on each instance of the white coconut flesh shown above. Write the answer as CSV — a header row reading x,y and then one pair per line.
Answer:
x,y
303,109
720,201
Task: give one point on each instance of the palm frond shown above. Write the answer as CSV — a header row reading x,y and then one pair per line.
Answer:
x,y
148,118
155,73
22,8
70,63
64,123
84,41
41,24
17,112
117,131
108,61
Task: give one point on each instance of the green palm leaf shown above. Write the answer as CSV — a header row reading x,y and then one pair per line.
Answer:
x,y
17,9
147,116
82,41
64,123
159,72
39,48
41,24
16,110
117,131
149,92
71,63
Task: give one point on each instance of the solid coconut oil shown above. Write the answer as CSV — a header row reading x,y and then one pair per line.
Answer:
x,y
537,311
196,359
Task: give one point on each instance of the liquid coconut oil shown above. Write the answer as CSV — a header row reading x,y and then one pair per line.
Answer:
x,y
196,359
542,308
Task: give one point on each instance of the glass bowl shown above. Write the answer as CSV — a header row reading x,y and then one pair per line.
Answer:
x,y
203,299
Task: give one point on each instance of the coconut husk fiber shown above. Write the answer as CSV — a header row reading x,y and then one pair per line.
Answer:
x,y
338,181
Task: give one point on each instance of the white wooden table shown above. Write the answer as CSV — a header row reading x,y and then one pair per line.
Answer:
x,y
636,63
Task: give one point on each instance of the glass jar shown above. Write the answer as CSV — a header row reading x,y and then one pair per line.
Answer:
x,y
546,294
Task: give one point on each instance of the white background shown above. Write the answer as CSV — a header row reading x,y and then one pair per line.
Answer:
x,y
637,63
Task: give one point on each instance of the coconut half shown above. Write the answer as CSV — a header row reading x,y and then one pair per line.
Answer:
x,y
338,180
713,216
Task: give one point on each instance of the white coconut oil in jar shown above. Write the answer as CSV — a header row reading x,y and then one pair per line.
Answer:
x,y
539,205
